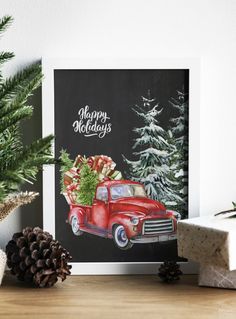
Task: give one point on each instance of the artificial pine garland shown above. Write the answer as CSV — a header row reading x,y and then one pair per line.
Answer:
x,y
18,163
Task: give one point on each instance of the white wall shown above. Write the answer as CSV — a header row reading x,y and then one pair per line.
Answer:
x,y
138,28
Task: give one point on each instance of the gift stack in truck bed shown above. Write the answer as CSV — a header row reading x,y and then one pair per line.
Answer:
x,y
211,241
103,165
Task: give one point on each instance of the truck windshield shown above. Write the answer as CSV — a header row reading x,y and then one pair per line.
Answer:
x,y
127,190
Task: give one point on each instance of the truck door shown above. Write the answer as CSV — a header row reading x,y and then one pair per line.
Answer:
x,y
100,208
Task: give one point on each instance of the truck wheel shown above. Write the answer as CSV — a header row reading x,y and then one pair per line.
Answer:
x,y
120,238
75,226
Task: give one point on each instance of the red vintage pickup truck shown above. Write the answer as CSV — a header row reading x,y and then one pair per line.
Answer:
x,y
122,211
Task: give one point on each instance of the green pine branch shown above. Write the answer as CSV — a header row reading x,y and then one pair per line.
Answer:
x,y
14,85
23,166
5,56
10,141
19,163
20,99
11,119
29,154
5,23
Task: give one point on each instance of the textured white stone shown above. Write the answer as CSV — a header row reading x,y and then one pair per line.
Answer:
x,y
3,260
208,240
214,276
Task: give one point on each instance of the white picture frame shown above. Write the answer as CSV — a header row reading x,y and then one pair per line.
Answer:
x,y
49,65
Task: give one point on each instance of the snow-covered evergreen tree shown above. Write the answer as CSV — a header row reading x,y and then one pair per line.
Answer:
x,y
179,159
153,152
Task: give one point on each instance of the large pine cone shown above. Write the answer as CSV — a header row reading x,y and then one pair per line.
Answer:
x,y
33,256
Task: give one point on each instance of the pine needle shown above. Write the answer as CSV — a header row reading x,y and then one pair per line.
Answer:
x,y
5,22
5,56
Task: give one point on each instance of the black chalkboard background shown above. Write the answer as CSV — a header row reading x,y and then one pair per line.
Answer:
x,y
113,91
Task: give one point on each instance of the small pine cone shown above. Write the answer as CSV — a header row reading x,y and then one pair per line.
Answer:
x,y
169,271
33,256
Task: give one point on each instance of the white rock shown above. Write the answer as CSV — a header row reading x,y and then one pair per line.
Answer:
x,y
3,260
214,276
208,240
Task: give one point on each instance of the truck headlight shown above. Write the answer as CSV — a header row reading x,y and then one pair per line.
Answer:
x,y
134,220
177,215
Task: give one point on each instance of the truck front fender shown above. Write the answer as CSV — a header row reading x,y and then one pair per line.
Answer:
x,y
123,219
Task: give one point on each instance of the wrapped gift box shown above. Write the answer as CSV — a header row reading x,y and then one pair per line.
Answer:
x,y
209,240
214,276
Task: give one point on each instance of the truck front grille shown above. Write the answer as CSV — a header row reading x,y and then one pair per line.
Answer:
x,y
157,226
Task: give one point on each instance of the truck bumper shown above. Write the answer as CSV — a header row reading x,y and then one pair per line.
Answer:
x,y
154,239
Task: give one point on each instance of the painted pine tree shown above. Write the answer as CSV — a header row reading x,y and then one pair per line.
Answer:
x,y
153,153
88,184
179,132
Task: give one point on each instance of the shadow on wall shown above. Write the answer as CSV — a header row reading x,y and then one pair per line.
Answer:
x,y
32,214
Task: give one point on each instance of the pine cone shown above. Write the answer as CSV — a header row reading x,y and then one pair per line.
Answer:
x,y
33,256
169,271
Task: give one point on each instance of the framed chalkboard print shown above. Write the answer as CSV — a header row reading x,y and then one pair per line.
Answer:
x,y
127,134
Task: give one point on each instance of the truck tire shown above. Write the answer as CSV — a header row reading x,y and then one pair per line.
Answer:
x,y
120,239
75,226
